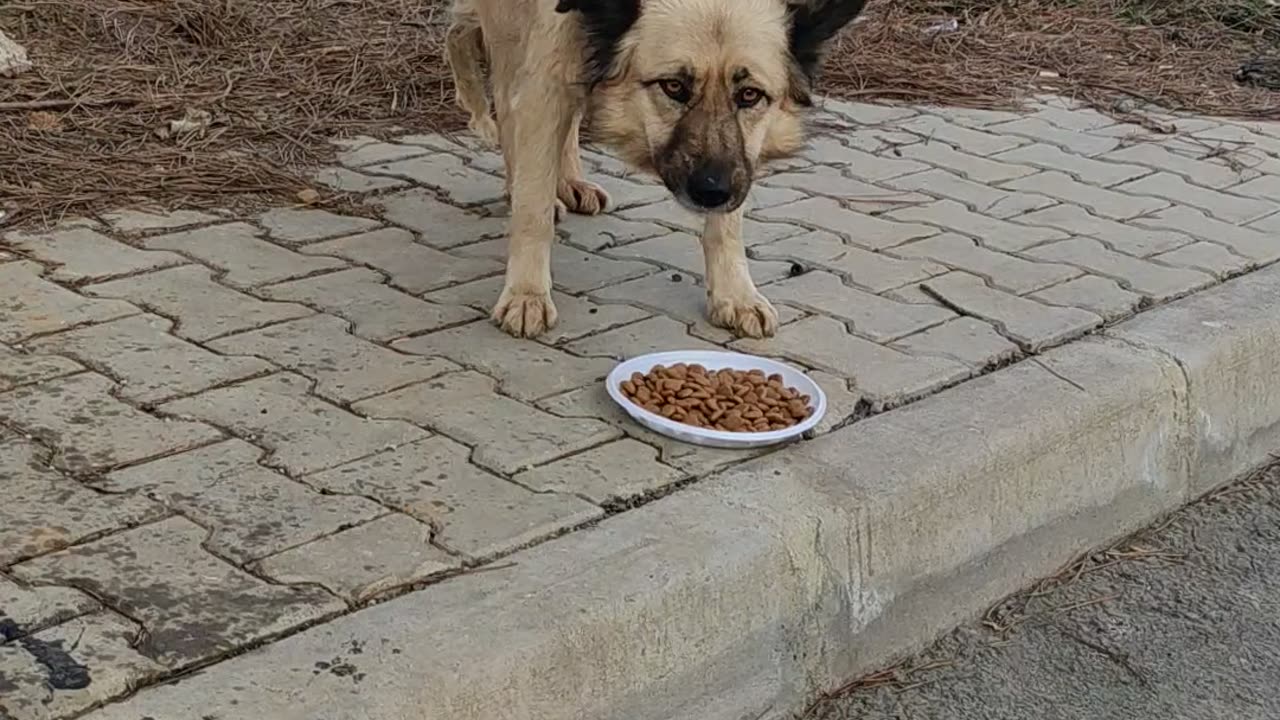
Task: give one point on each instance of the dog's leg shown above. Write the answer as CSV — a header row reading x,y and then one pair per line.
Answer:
x,y
574,191
465,43
733,302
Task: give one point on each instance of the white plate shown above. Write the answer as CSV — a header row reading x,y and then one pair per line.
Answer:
x,y
716,361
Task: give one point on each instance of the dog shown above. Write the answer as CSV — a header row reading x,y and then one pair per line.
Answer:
x,y
701,93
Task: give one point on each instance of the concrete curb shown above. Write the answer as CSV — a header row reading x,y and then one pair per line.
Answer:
x,y
743,596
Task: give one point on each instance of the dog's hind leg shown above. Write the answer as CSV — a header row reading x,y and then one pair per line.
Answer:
x,y
574,190
465,43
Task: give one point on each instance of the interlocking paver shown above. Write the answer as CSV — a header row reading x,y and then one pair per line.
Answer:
x,y
29,610
150,364
843,402
360,152
572,270
872,316
973,117
1115,204
1032,325
620,471
303,433
602,231
653,335
441,225
972,167
1037,129
31,305
243,259
202,308
67,669
1212,258
81,254
1240,136
89,429
1124,237
1269,224
448,174
44,511
875,272
678,296
828,150
1101,296
364,561
669,212
346,368
1221,205
936,129
986,199
412,266
994,233
683,251
873,233
345,180
1266,187
628,193
192,605
1076,118
524,370
853,194
1156,282
22,368
291,226
885,376
1202,170
969,340
861,113
252,512
376,310
508,436
472,511
140,221
1003,271
1094,172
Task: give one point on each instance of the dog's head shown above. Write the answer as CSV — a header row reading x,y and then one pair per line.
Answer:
x,y
702,92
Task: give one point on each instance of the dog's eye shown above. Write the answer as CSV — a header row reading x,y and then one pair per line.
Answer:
x,y
676,90
749,97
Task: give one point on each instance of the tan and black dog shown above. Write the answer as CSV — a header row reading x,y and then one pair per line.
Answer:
x,y
700,92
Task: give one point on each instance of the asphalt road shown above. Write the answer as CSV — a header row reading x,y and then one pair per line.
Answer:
x,y
1179,622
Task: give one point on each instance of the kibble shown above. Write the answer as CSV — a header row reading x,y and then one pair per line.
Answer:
x,y
728,400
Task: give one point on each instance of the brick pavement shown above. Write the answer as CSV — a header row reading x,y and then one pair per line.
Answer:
x,y
222,429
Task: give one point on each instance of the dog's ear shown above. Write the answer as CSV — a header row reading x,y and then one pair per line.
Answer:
x,y
605,22
813,24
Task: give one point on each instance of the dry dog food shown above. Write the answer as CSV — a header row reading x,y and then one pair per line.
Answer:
x,y
729,400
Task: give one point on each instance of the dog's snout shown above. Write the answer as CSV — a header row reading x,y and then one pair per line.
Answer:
x,y
711,186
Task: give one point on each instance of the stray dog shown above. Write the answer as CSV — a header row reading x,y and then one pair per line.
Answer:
x,y
701,93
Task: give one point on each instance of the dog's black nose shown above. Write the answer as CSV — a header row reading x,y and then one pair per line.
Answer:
x,y
710,186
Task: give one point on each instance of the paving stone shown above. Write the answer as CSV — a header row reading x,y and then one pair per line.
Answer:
x,y
881,140
936,129
81,254
372,152
447,174
618,472
1266,187
31,305
202,308
21,368
244,259
193,606
1223,206
679,296
525,370
364,561
969,340
1156,282
866,166
980,197
140,221
412,266
344,180
444,142
1269,224
853,194
572,270
883,375
294,227
149,363
670,213
994,233
346,368
1242,137
1071,140
441,225
1032,325
45,511
578,316
973,117
682,251
1077,119
377,311
842,402
67,669
658,334
1124,237
626,193
872,233
872,316
1003,271
972,167
304,433
601,161
602,231
862,113
1207,257
472,511
1094,172
1116,204
763,196
28,610
1100,296
874,272
1204,172
508,436
89,429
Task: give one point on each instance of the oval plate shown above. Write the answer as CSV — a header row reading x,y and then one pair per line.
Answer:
x,y
712,360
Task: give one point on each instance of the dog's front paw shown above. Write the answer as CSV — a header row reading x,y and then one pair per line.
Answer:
x,y
525,315
485,130
747,315
582,197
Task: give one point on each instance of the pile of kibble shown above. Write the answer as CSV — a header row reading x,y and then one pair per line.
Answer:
x,y
729,400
